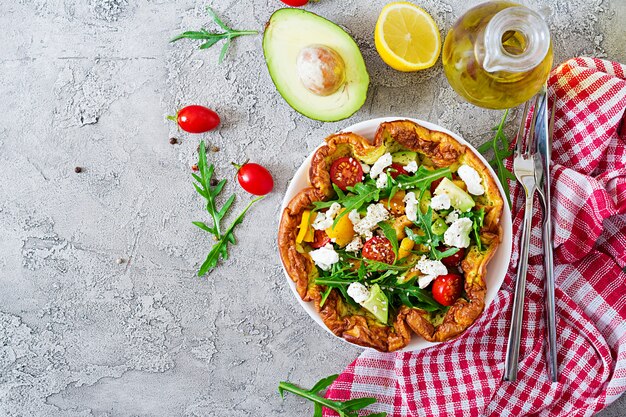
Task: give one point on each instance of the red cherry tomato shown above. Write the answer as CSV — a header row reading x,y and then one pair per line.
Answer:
x,y
345,172
295,3
320,239
447,288
255,179
397,169
379,249
433,185
197,119
453,260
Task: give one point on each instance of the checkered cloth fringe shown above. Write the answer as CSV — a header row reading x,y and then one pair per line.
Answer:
x,y
463,377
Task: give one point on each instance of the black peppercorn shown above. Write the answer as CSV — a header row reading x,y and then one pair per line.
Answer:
x,y
173,141
78,170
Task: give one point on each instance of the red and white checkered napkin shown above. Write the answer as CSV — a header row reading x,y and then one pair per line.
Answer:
x,y
463,377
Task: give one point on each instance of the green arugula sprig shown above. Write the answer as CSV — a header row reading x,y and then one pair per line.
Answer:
x,y
500,146
423,177
357,196
212,38
432,240
348,408
210,193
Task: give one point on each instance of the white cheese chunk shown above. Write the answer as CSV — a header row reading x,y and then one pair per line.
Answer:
x,y
472,179
453,216
411,167
380,165
431,270
333,210
325,220
325,256
358,292
322,222
410,206
354,217
355,245
381,181
425,280
376,213
440,202
365,167
457,234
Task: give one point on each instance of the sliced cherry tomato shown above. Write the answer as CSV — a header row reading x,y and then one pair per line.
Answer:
x,y
433,185
379,249
320,239
345,172
452,260
447,288
254,178
196,119
295,3
397,169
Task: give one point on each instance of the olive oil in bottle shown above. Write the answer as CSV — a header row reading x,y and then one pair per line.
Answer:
x,y
498,55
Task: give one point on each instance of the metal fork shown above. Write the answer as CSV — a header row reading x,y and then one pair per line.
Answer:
x,y
524,170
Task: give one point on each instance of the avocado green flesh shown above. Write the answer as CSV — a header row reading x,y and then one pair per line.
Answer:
x,y
290,30
377,304
459,199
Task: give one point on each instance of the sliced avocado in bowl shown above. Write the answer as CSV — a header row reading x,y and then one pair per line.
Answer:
x,y
315,65
377,304
459,199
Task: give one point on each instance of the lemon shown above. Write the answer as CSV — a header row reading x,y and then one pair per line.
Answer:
x,y
406,37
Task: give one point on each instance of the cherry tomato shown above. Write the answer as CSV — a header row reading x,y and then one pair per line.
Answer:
x,y
254,178
397,169
320,239
345,172
379,249
447,288
452,260
433,185
197,119
295,3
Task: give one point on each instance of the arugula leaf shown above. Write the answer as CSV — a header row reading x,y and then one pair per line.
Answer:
x,y
423,178
211,38
500,146
362,193
390,234
348,408
210,193
220,249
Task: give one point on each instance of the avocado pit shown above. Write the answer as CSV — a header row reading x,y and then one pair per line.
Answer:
x,y
321,70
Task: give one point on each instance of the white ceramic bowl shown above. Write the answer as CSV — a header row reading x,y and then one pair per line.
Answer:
x,y
497,268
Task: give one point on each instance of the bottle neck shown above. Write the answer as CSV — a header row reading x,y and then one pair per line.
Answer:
x,y
531,34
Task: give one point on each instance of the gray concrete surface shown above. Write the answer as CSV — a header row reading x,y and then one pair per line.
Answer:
x,y
88,83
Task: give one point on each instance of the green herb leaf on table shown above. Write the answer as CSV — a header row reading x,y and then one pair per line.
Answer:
x,y
500,146
211,38
348,408
210,193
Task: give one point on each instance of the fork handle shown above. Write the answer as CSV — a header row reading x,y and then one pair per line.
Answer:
x,y
548,262
515,331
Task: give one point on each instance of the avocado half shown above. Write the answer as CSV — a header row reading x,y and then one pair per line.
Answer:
x,y
316,66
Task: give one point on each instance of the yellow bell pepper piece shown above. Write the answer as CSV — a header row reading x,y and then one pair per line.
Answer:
x,y
342,232
405,248
306,233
